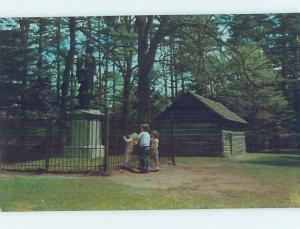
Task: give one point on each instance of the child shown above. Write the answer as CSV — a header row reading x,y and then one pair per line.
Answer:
x,y
129,149
144,148
154,148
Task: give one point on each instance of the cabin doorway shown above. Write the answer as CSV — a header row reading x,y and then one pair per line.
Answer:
x,y
227,143
230,142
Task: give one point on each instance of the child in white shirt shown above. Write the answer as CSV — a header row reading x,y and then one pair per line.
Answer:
x,y
144,148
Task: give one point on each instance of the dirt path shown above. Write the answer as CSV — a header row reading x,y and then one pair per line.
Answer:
x,y
211,178
207,179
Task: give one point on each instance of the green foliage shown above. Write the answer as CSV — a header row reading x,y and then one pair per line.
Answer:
x,y
10,69
237,59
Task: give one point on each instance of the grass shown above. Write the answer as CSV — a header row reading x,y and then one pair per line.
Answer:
x,y
70,194
270,180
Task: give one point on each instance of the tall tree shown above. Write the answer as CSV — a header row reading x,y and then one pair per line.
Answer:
x,y
122,54
11,72
58,58
24,27
149,38
69,59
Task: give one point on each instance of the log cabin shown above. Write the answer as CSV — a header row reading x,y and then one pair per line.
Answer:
x,y
194,125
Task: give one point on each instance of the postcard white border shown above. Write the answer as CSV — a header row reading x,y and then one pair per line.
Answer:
x,y
12,8
212,219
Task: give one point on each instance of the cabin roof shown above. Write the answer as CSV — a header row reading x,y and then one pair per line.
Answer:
x,y
217,108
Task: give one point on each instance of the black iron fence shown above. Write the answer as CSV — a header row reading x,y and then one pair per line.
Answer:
x,y
95,144
23,145
68,145
48,145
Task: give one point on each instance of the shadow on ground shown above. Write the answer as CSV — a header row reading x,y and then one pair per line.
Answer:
x,y
278,160
283,151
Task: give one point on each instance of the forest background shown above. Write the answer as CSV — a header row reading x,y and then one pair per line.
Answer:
x,y
135,66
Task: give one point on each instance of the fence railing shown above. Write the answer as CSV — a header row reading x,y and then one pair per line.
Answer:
x,y
59,146
69,145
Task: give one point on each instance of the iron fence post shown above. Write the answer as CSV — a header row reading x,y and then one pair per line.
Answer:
x,y
49,145
106,153
172,141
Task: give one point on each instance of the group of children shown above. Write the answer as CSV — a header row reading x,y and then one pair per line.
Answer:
x,y
147,149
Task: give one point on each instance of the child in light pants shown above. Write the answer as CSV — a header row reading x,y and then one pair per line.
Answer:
x,y
129,149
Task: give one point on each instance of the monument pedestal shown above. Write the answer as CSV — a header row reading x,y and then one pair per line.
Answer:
x,y
86,134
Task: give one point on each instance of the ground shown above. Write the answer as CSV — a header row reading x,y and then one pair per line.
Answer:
x,y
248,180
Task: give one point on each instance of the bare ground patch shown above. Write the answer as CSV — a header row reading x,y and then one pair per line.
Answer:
x,y
200,179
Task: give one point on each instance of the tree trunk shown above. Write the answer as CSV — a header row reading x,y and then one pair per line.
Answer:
x,y
24,26
65,88
105,86
172,70
73,88
175,72
146,56
143,75
283,43
165,78
114,88
144,95
126,92
40,48
182,83
100,83
58,79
